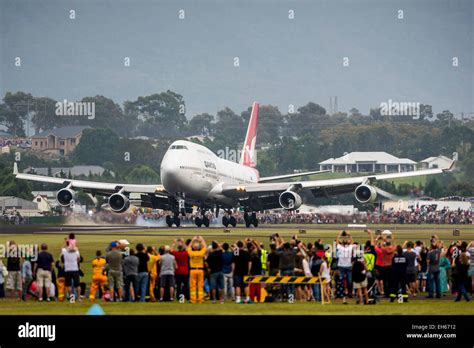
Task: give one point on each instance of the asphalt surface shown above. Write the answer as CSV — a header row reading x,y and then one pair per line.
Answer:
x,y
97,229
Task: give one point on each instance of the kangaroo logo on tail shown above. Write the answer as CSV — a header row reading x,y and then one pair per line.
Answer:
x,y
249,153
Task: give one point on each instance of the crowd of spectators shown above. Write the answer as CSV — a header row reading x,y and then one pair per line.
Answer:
x,y
15,141
427,215
192,270
12,217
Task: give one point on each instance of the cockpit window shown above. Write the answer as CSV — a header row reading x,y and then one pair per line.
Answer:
x,y
178,147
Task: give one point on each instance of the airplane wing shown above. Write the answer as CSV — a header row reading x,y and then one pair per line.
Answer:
x,y
103,188
288,176
265,195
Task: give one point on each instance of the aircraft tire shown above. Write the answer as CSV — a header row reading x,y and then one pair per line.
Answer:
x,y
169,221
205,221
233,221
198,221
177,221
254,219
225,221
247,220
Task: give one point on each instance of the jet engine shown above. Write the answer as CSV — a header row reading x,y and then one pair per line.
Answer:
x,y
118,202
65,197
290,200
365,193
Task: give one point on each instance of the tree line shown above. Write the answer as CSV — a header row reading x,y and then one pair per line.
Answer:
x,y
133,137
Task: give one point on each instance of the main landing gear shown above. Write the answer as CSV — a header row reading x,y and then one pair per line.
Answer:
x,y
181,209
173,220
204,220
228,219
250,219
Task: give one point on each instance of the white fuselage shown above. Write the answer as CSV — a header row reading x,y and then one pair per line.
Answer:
x,y
194,172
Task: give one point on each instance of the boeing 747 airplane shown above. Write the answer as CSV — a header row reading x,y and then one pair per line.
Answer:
x,y
192,175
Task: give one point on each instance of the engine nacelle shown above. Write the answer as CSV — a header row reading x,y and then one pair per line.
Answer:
x,y
290,200
365,193
65,197
119,202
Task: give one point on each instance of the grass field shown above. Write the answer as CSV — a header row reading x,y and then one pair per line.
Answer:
x,y
423,307
89,242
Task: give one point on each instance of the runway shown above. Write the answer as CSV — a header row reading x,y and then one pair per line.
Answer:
x,y
107,229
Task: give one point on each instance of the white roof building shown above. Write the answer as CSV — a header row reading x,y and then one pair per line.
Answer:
x,y
368,162
436,162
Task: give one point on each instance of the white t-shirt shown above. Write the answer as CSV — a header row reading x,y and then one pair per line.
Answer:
x,y
344,255
70,260
306,269
325,274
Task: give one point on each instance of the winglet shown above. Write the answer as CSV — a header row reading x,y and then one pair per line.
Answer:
x,y
15,168
451,166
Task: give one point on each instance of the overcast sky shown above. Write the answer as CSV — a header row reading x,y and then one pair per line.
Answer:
x,y
282,61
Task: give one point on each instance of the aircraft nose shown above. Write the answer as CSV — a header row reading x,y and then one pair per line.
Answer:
x,y
169,171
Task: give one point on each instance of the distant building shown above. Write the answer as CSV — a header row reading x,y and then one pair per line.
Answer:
x,y
413,204
59,141
42,202
75,171
11,202
368,162
436,162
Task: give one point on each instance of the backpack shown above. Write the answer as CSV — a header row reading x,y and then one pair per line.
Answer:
x,y
315,265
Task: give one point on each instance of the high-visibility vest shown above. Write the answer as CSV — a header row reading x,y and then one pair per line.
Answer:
x,y
263,259
369,261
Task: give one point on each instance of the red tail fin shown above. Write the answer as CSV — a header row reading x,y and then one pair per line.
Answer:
x,y
249,153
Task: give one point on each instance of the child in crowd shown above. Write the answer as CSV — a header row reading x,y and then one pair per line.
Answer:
x,y
71,243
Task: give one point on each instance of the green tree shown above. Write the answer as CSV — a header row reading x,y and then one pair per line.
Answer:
x,y
14,111
230,128
163,114
10,186
310,118
45,114
201,124
96,147
143,175
445,116
108,114
433,188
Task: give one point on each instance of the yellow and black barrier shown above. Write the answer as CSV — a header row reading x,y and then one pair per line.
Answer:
x,y
288,280
281,279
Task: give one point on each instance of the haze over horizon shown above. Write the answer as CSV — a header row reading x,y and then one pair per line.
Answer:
x,y
282,61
